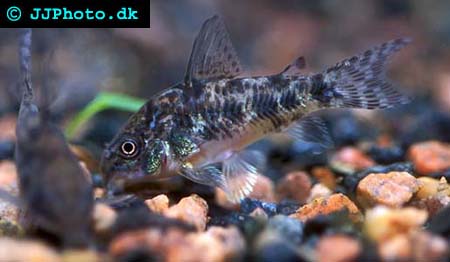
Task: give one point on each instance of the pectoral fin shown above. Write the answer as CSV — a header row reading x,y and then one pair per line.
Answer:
x,y
238,175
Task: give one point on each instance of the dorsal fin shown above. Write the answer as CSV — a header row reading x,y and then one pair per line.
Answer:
x,y
295,67
213,55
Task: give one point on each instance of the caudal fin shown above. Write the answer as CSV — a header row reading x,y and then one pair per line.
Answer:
x,y
360,81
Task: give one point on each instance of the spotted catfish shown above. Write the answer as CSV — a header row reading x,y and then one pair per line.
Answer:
x,y
200,128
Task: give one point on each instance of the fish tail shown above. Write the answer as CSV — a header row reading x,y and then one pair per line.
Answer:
x,y
360,81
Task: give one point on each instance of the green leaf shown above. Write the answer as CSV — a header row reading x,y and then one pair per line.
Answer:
x,y
103,101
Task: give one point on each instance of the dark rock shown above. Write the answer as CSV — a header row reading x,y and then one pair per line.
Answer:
x,y
138,217
249,204
6,149
138,255
289,228
287,207
247,224
385,156
345,129
337,222
369,252
307,154
440,223
277,158
428,124
445,174
280,251
234,218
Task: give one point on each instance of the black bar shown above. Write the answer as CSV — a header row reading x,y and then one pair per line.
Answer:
x,y
75,13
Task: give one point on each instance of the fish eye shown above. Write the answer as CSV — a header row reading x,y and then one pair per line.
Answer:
x,y
129,148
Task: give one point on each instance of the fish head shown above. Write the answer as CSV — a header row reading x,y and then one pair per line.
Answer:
x,y
135,153
132,157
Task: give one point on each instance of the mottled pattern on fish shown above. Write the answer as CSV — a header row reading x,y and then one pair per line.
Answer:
x,y
200,128
222,109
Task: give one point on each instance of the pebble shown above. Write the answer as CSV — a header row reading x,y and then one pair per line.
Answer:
x,y
382,223
230,239
158,204
319,191
433,195
325,176
11,228
192,210
392,189
216,244
337,248
8,176
263,190
351,181
8,127
104,217
416,246
149,240
295,186
325,206
430,157
9,211
75,255
26,250
428,187
99,193
350,159
196,247
221,199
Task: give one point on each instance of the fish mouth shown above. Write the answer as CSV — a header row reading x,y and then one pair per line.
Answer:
x,y
116,181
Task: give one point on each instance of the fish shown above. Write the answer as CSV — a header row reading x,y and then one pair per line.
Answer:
x,y
54,190
200,128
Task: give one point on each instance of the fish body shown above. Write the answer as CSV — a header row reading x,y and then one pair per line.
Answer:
x,y
200,128
54,189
